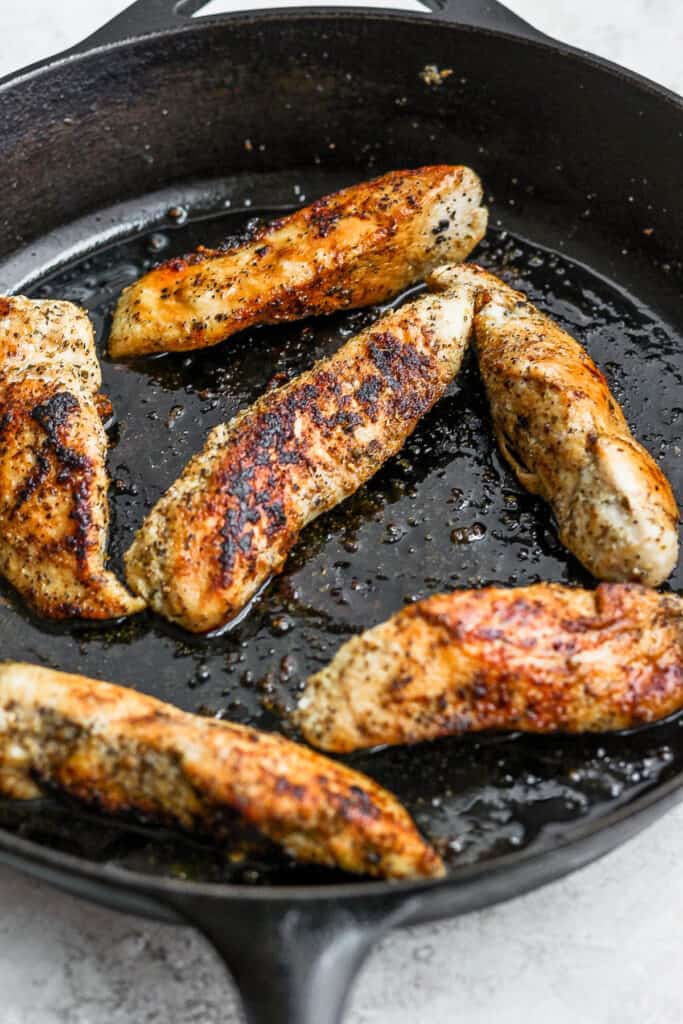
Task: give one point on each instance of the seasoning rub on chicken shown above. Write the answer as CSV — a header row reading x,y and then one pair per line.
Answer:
x,y
53,482
235,513
354,248
566,438
544,658
123,751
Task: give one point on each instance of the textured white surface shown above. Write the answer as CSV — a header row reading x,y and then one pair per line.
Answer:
x,y
601,947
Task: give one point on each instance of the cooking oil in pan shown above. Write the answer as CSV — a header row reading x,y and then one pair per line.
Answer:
x,y
445,513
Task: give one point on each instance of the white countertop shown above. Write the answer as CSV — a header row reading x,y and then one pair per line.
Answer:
x,y
601,947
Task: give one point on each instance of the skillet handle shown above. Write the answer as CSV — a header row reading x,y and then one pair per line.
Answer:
x,y
484,14
149,16
292,962
143,17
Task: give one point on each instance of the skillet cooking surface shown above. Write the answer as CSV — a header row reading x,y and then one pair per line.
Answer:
x,y
446,512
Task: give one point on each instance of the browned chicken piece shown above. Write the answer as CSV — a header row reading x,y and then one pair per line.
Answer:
x,y
230,520
54,512
543,659
122,751
354,248
566,438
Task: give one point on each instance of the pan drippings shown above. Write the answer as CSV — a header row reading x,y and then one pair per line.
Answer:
x,y
445,512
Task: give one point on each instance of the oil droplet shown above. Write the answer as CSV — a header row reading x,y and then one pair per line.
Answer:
x,y
393,533
288,666
280,624
468,534
156,242
174,415
457,498
178,214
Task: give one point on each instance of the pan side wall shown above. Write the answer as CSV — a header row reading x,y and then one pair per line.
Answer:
x,y
572,141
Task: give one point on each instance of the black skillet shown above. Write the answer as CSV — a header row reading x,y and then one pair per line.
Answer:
x,y
160,132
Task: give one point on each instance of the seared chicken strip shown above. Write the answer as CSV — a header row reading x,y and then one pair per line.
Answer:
x,y
233,516
353,248
53,481
123,751
566,438
544,658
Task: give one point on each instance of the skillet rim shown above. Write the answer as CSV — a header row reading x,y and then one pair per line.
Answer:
x,y
92,46
125,879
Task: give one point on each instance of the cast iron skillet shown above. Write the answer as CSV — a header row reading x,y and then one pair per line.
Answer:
x,y
114,152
